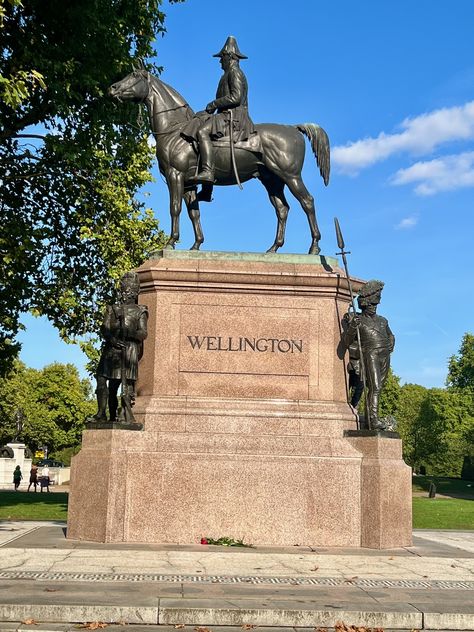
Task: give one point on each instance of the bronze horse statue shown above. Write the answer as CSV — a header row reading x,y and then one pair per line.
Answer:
x,y
277,163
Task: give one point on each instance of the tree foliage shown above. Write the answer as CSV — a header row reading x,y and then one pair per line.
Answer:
x,y
71,160
53,402
437,424
461,366
390,395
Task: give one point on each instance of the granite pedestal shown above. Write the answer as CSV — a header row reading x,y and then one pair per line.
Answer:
x,y
243,399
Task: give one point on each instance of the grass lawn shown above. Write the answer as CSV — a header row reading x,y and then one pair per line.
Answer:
x,y
428,513
445,486
443,513
31,506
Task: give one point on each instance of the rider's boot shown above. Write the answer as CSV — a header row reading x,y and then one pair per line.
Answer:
x,y
206,175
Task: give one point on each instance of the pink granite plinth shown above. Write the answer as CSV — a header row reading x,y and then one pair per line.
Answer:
x,y
386,493
243,398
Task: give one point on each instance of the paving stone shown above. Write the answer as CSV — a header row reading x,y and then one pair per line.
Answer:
x,y
204,612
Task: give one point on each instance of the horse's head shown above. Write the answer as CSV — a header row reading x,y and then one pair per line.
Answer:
x,y
133,87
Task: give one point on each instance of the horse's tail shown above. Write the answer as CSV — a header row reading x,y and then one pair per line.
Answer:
x,y
320,146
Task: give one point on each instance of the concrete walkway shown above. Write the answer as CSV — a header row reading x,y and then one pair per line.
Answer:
x,y
57,582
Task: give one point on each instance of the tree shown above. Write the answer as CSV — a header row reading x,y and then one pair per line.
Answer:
x,y
54,403
460,382
453,418
71,161
390,395
461,366
414,425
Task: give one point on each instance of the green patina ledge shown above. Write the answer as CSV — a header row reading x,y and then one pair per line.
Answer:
x,y
266,257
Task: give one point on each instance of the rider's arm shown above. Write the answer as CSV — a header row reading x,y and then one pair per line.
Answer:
x,y
236,91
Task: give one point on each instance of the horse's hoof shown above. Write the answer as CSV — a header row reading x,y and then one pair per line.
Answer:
x,y
195,246
273,249
169,246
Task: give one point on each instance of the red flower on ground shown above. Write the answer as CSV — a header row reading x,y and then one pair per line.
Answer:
x,y
204,541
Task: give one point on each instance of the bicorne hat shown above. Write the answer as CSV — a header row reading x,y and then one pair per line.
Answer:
x,y
230,47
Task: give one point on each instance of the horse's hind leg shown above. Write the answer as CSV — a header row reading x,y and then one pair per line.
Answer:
x,y
301,193
274,186
192,204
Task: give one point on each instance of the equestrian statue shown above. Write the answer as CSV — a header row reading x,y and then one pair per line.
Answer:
x,y
222,146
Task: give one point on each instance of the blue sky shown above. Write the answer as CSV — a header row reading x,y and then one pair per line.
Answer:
x,y
392,83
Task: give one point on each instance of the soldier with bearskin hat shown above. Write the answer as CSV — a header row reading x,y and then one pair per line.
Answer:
x,y
124,329
377,342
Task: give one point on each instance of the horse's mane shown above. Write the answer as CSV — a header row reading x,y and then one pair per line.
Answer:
x,y
173,95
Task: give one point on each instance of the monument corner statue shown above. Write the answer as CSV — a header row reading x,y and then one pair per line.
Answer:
x,y
221,146
377,343
124,329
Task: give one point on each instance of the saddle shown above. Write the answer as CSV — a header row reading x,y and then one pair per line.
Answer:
x,y
253,143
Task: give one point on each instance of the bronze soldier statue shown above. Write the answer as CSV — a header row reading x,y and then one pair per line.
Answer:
x,y
124,329
356,383
377,343
231,103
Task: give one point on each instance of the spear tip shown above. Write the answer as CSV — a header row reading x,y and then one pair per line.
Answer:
x,y
340,240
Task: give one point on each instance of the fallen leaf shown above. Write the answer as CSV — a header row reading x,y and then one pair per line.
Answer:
x,y
179,626
314,569
391,558
50,590
453,565
248,626
200,628
30,622
93,625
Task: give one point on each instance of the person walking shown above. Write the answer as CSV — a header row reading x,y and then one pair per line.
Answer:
x,y
33,477
17,476
44,482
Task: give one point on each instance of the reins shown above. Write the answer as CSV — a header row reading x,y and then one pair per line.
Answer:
x,y
173,127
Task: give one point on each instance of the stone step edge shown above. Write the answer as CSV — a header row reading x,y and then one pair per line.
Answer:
x,y
233,616
17,626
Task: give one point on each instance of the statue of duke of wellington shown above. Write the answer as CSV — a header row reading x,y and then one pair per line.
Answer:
x,y
232,150
231,107
377,342
124,329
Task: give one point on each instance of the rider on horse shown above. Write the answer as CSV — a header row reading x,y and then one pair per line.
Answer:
x,y
232,107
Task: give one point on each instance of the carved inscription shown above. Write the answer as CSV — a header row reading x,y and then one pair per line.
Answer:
x,y
234,343
243,341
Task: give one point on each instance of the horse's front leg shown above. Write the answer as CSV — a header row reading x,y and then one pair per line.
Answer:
x,y
175,180
192,204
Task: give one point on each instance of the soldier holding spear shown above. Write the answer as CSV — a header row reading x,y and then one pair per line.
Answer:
x,y
374,339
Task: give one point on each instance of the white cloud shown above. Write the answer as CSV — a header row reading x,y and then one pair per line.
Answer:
x,y
407,222
419,135
442,174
